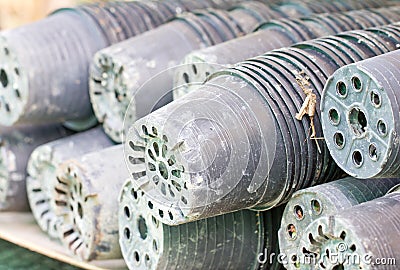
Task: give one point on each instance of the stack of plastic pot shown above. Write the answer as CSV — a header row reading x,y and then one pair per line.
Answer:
x,y
16,145
239,238
273,35
86,199
120,71
45,65
42,178
325,200
365,236
237,143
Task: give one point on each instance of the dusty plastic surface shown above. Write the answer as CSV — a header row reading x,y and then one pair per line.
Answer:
x,y
37,88
16,145
42,177
367,232
231,241
360,115
87,202
323,201
119,71
194,150
198,65
242,117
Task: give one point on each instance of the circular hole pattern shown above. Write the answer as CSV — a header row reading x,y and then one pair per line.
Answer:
x,y
373,151
298,212
339,140
341,89
375,99
142,227
358,121
292,232
358,158
334,116
382,128
357,84
316,207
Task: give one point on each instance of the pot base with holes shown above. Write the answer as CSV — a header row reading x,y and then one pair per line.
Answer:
x,y
146,243
361,237
16,145
310,204
360,117
42,179
86,199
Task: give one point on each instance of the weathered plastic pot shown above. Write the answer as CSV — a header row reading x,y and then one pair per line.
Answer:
x,y
16,145
42,177
363,237
237,143
198,65
86,196
360,114
36,89
323,201
119,72
213,243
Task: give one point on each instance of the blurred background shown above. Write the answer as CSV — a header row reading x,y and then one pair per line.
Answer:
x,y
14,13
